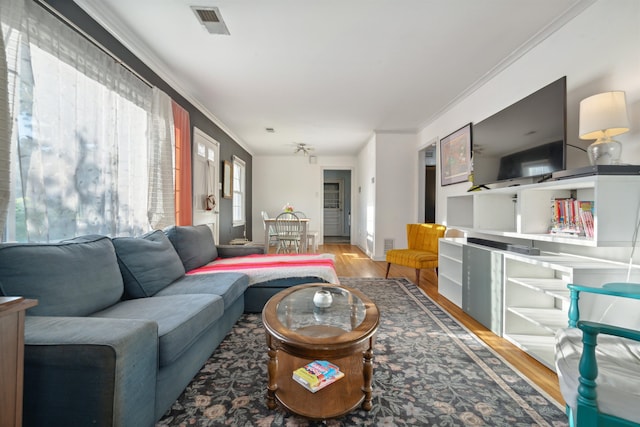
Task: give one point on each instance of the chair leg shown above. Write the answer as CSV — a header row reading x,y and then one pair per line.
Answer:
x,y
418,276
386,276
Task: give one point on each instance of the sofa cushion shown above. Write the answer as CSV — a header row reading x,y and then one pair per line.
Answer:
x,y
148,263
181,319
230,286
72,278
194,244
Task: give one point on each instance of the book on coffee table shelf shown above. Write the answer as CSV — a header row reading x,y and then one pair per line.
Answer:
x,y
317,375
240,241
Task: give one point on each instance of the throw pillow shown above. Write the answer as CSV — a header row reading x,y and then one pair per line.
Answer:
x,y
194,244
148,263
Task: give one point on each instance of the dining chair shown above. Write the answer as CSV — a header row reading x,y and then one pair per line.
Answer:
x,y
312,236
288,233
273,237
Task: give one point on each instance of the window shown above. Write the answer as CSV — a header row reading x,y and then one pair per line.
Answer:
x,y
93,146
79,149
79,170
239,180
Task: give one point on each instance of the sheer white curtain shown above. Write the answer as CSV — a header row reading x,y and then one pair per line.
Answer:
x,y
161,195
82,138
11,13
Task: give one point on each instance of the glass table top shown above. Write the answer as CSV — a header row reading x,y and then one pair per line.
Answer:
x,y
318,315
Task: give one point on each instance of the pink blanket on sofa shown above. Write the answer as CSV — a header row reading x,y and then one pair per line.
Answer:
x,y
261,268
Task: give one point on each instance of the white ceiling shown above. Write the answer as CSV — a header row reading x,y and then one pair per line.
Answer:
x,y
329,73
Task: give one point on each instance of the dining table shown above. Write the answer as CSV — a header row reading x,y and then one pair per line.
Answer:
x,y
304,238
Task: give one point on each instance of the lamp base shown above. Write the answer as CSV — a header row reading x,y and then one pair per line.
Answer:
x,y
606,152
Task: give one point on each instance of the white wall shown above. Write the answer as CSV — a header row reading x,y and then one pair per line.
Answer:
x,y
278,180
386,191
594,60
598,51
366,197
396,189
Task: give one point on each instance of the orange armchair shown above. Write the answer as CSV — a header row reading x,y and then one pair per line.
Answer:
x,y
423,248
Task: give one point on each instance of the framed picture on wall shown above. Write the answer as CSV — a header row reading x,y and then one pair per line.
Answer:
x,y
227,180
455,156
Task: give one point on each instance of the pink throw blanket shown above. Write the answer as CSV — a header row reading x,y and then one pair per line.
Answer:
x,y
261,268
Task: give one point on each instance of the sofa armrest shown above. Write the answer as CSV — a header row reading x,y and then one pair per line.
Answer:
x,y
229,251
89,371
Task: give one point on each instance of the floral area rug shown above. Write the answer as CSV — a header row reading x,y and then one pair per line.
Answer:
x,y
428,371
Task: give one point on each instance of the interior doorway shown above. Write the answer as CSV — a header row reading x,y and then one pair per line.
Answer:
x,y
336,206
430,194
427,184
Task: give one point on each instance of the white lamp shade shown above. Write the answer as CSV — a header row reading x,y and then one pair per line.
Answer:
x,y
603,115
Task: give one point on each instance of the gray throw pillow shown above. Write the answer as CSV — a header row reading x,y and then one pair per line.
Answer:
x,y
194,244
76,277
148,263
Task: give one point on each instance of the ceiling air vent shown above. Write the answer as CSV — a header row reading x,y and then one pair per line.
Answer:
x,y
211,19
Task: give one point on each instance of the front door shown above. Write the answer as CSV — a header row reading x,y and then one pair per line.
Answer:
x,y
333,208
206,187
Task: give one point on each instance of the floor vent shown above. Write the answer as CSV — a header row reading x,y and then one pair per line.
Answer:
x,y
388,245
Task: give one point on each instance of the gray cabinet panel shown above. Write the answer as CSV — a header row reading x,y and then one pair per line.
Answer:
x,y
482,286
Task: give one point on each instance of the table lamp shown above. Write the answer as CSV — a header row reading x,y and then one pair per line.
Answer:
x,y
603,116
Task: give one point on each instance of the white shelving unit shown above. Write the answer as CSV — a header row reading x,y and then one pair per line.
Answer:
x,y
524,212
536,298
450,269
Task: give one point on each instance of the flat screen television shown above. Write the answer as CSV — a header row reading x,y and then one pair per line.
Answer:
x,y
525,140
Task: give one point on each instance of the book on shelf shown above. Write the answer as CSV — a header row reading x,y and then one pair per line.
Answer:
x,y
317,375
572,217
586,217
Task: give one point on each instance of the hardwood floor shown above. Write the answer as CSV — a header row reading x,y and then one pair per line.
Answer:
x,y
352,262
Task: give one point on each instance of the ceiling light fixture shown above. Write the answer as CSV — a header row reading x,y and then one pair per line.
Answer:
x,y
303,148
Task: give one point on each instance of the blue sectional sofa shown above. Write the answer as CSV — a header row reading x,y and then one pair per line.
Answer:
x,y
119,329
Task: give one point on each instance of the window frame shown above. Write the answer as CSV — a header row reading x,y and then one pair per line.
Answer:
x,y
239,205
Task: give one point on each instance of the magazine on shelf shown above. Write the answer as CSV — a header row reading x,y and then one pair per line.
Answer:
x,y
317,375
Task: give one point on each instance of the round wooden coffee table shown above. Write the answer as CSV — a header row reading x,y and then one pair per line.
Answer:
x,y
298,332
